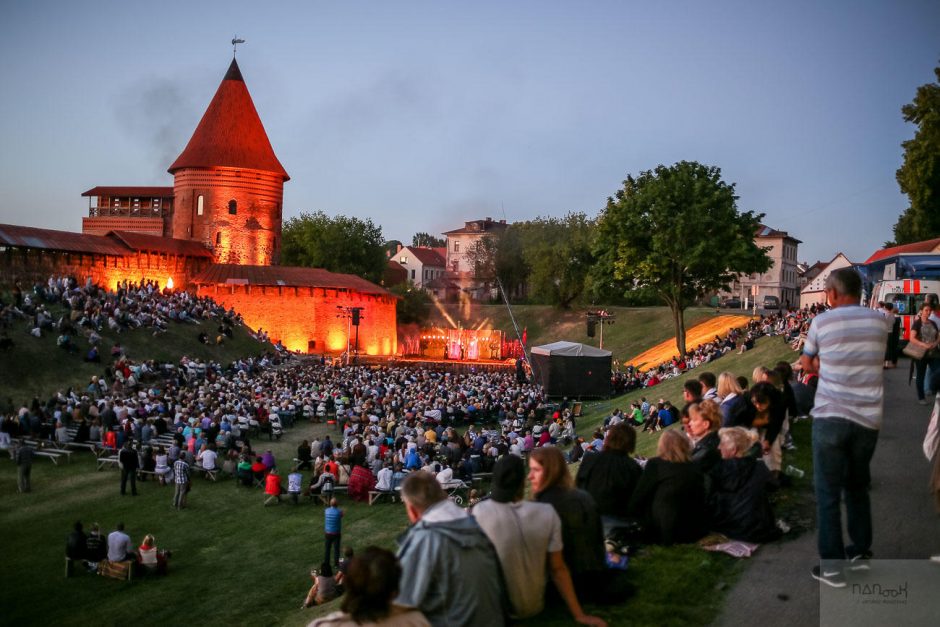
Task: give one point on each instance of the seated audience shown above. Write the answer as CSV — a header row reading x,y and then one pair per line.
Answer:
x,y
371,583
704,422
324,587
670,497
611,475
150,558
527,537
581,530
76,545
738,504
735,409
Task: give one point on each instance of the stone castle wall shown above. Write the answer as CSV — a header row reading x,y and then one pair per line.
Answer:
x,y
306,318
36,266
249,236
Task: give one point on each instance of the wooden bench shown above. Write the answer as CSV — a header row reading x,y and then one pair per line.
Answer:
x,y
50,454
340,489
376,495
116,570
209,474
58,452
142,474
91,446
105,461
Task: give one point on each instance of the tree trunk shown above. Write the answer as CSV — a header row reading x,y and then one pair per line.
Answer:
x,y
678,317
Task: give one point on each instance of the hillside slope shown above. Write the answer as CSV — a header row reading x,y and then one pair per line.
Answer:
x,y
635,329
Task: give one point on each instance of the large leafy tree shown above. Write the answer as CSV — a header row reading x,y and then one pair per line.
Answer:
x,y
919,175
340,244
427,240
558,255
676,231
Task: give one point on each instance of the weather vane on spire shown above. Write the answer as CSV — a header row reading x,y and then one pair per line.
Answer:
x,y
235,42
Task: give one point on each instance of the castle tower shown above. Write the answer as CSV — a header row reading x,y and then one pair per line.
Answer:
x,y
228,183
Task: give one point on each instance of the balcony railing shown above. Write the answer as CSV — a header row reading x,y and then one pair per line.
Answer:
x,y
125,212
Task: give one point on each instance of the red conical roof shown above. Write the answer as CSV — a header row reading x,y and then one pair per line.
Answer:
x,y
230,133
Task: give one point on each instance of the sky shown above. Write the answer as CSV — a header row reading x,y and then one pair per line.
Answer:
x,y
423,115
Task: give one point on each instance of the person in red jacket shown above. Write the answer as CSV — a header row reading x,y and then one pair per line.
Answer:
x,y
272,487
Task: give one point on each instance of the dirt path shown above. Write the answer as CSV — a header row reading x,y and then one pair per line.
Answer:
x,y
699,334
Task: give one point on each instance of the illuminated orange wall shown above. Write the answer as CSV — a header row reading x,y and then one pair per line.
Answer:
x,y
36,266
298,315
252,236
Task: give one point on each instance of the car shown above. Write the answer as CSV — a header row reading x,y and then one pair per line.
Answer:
x,y
771,302
732,303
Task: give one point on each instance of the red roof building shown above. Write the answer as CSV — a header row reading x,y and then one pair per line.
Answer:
x,y
915,248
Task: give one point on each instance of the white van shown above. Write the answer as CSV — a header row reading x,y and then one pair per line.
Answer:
x,y
907,295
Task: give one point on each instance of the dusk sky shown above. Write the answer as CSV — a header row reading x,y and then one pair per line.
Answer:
x,y
421,115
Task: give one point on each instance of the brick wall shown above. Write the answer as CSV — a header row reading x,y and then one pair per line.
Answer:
x,y
299,315
250,236
102,225
31,266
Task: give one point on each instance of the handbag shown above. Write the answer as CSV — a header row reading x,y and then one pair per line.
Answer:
x,y
914,351
932,437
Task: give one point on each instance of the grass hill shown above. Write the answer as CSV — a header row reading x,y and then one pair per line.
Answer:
x,y
236,562
36,366
634,331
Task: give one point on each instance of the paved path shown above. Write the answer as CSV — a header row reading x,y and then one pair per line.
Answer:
x,y
776,587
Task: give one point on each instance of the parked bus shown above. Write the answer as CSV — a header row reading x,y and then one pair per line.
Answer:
x,y
907,295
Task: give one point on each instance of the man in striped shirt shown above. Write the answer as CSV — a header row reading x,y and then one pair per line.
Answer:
x,y
845,346
181,478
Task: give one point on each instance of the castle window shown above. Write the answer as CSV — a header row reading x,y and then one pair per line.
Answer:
x,y
218,238
232,207
199,203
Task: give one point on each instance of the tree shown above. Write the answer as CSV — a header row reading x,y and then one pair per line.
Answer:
x,y
340,244
414,304
427,240
558,255
676,232
919,175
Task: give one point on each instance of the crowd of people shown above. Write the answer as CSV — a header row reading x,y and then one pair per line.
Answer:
x,y
420,434
792,325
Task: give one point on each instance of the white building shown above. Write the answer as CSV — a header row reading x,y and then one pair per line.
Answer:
x,y
814,290
423,265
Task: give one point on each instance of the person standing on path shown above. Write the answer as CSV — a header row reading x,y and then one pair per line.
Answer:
x,y
845,346
24,466
129,463
333,528
181,479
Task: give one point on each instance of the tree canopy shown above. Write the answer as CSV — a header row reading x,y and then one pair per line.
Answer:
x,y
427,240
556,256
340,244
919,175
676,231
414,304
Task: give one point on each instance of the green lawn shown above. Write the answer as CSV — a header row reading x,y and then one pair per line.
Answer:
x,y
236,562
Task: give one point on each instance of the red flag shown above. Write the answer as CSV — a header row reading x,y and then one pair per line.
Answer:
x,y
524,335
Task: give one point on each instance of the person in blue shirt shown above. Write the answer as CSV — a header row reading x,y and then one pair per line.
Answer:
x,y
333,529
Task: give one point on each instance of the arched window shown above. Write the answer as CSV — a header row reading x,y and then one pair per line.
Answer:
x,y
232,207
218,238
200,200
